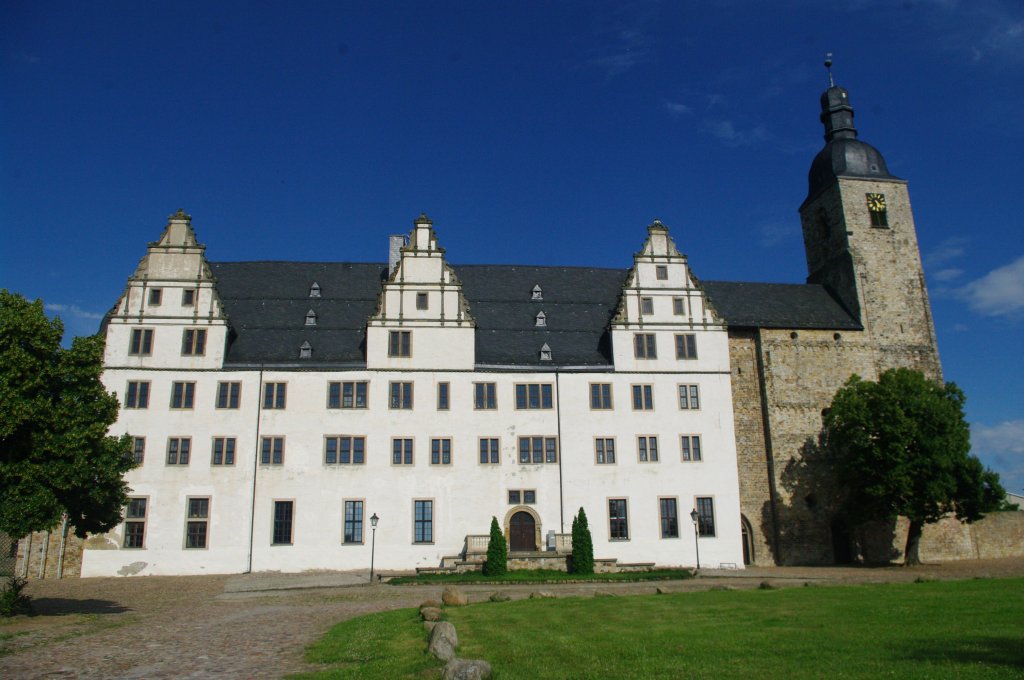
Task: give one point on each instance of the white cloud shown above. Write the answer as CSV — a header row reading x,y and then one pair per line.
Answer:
x,y
775,233
73,311
998,293
946,275
1001,447
732,136
950,249
677,109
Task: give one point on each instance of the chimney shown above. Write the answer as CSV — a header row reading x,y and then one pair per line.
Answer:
x,y
395,244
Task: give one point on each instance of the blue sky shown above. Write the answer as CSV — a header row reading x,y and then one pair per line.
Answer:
x,y
531,132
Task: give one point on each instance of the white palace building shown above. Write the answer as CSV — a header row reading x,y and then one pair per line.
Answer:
x,y
277,406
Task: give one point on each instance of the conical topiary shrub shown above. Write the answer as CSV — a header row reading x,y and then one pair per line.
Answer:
x,y
582,545
497,552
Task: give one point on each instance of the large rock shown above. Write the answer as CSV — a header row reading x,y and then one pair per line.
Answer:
x,y
453,597
467,669
430,613
443,641
541,595
500,597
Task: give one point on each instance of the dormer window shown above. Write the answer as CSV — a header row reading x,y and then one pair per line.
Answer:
x,y
421,300
306,350
646,306
311,318
314,290
542,320
661,272
188,297
537,294
155,295
545,352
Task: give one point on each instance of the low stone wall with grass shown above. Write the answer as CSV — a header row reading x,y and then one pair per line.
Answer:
x,y
998,535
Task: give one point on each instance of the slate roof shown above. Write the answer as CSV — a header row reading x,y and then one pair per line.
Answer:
x,y
267,303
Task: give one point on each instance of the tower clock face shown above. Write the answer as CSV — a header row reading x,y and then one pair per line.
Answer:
x,y
876,202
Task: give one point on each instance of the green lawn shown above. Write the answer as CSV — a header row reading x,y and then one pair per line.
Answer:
x,y
542,576
965,629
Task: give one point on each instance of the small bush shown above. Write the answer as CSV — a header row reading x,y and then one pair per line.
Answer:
x,y
497,552
12,600
582,545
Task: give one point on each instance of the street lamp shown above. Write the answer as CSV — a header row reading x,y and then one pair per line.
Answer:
x,y
696,533
373,542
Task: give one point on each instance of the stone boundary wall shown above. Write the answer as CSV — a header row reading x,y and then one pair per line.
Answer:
x,y
999,534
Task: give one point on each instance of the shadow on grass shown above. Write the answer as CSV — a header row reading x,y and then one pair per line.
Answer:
x,y
991,651
57,606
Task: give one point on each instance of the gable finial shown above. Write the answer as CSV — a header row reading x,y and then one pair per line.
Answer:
x,y
828,67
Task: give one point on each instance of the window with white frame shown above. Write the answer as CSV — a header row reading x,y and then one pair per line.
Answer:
x,y
604,450
686,346
618,519
197,524
135,523
689,397
344,450
137,394
223,451
647,449
401,451
690,446
350,394
178,450
644,346
643,397
441,451
538,449
489,451
272,450
353,522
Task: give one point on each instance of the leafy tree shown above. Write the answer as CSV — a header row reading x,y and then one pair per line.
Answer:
x,y
582,545
901,447
55,455
497,552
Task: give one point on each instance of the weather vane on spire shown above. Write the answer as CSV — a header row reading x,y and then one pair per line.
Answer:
x,y
828,67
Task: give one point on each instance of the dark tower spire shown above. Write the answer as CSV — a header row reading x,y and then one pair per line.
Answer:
x,y
836,112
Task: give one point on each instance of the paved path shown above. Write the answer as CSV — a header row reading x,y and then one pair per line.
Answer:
x,y
257,626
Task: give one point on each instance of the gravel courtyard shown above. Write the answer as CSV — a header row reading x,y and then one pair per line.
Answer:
x,y
257,626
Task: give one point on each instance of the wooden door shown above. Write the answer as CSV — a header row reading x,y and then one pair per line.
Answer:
x,y
522,532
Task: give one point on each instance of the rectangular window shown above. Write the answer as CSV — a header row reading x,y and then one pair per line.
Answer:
x,y
423,521
669,517
198,522
155,296
401,451
274,395
229,394
139,450
283,516
440,451
141,341
515,497
188,297
644,346
647,449
604,451
401,395
533,395
344,450
661,272
618,521
135,523
347,394
137,394
686,346
400,344
272,451
489,451
484,396
178,449
538,450
647,306
706,516
600,396
442,396
643,397
421,300
193,342
183,394
679,306
690,446
223,451
689,397
529,496
353,522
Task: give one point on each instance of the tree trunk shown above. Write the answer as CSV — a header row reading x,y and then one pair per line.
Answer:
x,y
911,555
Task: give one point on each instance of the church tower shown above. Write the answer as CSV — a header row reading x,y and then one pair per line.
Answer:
x,y
861,243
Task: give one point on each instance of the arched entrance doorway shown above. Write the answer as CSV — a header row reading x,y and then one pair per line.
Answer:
x,y
522,529
747,533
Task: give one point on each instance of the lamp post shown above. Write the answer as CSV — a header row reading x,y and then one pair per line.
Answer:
x,y
373,542
696,534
